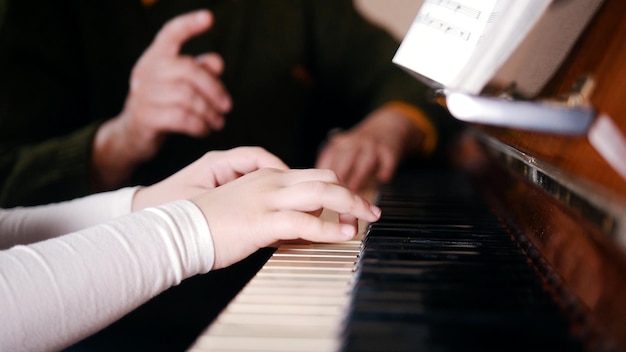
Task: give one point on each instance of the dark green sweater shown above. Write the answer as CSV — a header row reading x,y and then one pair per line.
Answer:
x,y
65,66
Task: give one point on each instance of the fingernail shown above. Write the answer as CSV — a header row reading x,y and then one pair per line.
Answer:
x,y
348,230
376,210
202,16
226,103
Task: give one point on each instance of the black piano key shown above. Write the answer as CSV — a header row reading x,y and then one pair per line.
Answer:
x,y
458,273
431,255
437,246
373,336
437,297
448,241
415,233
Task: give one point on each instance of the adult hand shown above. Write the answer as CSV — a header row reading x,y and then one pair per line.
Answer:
x,y
213,169
371,151
169,93
269,205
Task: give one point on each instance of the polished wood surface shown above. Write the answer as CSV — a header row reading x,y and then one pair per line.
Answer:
x,y
600,52
583,267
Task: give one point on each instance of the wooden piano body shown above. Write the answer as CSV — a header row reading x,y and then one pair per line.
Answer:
x,y
558,202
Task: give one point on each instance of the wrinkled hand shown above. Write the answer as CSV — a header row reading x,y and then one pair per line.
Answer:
x,y
371,151
269,205
169,93
213,169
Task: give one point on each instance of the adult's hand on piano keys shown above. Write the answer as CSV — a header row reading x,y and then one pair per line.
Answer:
x,y
371,151
169,93
213,169
270,205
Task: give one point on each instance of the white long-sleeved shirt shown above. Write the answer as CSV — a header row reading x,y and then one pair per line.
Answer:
x,y
70,269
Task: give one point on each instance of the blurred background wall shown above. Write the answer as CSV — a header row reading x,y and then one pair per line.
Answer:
x,y
2,5
395,15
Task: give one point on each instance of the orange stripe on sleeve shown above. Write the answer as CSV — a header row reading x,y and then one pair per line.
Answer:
x,y
148,3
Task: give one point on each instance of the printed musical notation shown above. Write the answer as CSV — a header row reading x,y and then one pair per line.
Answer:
x,y
444,27
452,8
457,7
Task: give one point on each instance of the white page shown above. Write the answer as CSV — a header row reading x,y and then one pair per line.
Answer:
x,y
443,37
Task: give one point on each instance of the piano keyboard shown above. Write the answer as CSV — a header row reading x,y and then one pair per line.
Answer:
x,y
438,272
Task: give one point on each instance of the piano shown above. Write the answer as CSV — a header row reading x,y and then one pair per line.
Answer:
x,y
517,243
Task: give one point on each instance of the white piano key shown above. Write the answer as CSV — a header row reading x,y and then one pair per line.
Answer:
x,y
316,254
292,309
329,247
304,259
289,300
307,265
306,271
296,280
273,281
276,319
273,330
261,344
294,290
311,276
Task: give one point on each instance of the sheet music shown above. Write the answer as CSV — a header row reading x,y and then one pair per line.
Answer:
x,y
460,43
449,32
